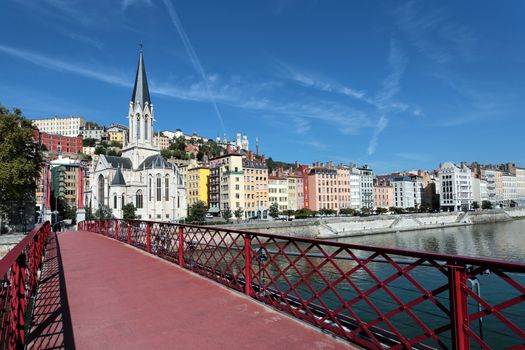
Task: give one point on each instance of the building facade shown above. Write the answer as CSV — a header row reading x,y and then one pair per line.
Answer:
x,y
366,187
197,185
255,189
456,187
67,126
56,145
226,183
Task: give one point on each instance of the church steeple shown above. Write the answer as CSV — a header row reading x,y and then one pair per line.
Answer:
x,y
141,91
140,108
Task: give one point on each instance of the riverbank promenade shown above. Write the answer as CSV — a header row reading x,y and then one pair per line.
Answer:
x,y
102,294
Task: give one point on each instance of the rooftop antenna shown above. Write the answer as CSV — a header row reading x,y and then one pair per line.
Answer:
x,y
140,45
257,145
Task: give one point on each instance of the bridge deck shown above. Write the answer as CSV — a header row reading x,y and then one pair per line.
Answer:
x,y
120,297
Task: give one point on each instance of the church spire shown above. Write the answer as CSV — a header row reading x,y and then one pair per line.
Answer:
x,y
141,91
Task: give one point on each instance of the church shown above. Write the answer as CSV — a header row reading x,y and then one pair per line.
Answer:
x,y
141,175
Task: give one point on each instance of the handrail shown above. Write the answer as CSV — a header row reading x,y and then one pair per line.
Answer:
x,y
422,302
19,273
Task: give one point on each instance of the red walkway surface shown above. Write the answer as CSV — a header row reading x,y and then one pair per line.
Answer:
x,y
123,298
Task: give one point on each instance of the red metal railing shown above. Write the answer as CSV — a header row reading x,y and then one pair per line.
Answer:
x,y
375,297
19,271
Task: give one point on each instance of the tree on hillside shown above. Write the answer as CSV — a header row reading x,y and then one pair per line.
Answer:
x,y
89,142
128,211
20,159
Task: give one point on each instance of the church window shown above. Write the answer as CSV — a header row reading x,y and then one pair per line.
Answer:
x,y
150,189
115,201
159,188
122,202
139,199
167,188
146,126
138,126
101,189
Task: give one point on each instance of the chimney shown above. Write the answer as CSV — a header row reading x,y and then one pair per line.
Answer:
x,y
280,172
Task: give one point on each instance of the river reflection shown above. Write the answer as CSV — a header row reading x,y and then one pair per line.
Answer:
x,y
503,240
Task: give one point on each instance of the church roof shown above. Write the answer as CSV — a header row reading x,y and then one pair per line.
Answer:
x,y
118,179
116,162
141,91
155,161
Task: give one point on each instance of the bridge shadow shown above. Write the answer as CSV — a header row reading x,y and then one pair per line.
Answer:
x,y
51,320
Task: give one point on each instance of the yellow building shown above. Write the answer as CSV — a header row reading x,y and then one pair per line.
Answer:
x,y
197,185
116,136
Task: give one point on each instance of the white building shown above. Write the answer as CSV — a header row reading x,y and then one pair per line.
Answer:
x,y
456,187
366,187
479,190
141,176
355,189
510,189
278,192
408,191
97,133
520,182
67,126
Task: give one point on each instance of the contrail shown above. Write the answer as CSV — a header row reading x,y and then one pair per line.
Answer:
x,y
193,57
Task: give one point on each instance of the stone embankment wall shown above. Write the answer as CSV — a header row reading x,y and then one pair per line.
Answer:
x,y
7,242
357,226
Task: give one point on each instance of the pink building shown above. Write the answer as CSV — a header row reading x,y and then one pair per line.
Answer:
x,y
329,188
383,193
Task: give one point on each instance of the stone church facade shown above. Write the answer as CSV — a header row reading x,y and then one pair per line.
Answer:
x,y
141,175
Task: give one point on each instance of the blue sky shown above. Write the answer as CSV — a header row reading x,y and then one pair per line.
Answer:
x,y
398,85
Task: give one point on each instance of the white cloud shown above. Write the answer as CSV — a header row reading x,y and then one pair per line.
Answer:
x,y
381,125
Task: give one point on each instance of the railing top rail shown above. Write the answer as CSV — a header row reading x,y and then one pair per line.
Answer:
x,y
447,258
9,259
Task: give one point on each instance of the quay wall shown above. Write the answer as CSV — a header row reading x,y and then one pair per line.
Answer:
x,y
333,227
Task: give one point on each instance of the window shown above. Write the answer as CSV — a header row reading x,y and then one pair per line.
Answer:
x,y
159,188
150,189
122,202
139,199
167,188
114,201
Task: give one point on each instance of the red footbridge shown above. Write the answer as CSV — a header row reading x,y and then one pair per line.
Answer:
x,y
131,284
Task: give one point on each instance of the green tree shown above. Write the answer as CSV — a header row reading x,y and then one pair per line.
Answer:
x,y
104,212
227,214
475,205
365,211
89,142
274,210
304,213
381,210
238,213
129,211
197,212
347,211
20,160
100,150
486,205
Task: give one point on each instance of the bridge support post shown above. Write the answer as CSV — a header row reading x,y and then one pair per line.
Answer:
x,y
129,233
116,230
181,246
248,264
148,237
458,306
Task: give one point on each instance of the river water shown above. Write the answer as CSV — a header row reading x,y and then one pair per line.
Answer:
x,y
502,240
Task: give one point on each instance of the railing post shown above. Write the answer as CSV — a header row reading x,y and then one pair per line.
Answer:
x,y
458,306
248,264
18,305
107,227
148,237
181,246
129,233
116,230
